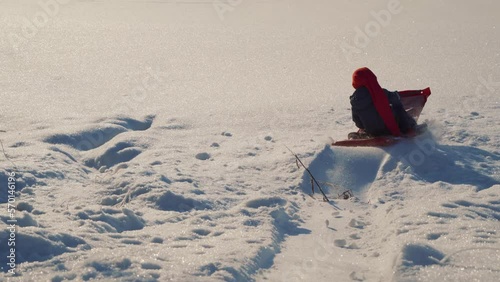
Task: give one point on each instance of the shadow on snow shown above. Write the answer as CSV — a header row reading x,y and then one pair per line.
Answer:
x,y
458,165
339,168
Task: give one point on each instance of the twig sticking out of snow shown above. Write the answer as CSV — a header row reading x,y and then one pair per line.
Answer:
x,y
7,157
127,197
313,180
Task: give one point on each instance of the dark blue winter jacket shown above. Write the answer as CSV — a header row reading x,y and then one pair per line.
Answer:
x,y
366,117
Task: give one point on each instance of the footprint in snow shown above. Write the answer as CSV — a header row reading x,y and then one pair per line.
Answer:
x,y
342,243
100,133
203,156
201,231
357,224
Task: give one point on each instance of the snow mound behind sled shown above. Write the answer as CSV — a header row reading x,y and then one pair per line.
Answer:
x,y
344,169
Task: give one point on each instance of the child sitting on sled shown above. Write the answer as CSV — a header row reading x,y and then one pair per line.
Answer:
x,y
379,112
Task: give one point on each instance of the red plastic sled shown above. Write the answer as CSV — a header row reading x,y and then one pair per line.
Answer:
x,y
413,101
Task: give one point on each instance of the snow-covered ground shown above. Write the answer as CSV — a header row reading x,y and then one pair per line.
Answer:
x,y
147,141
